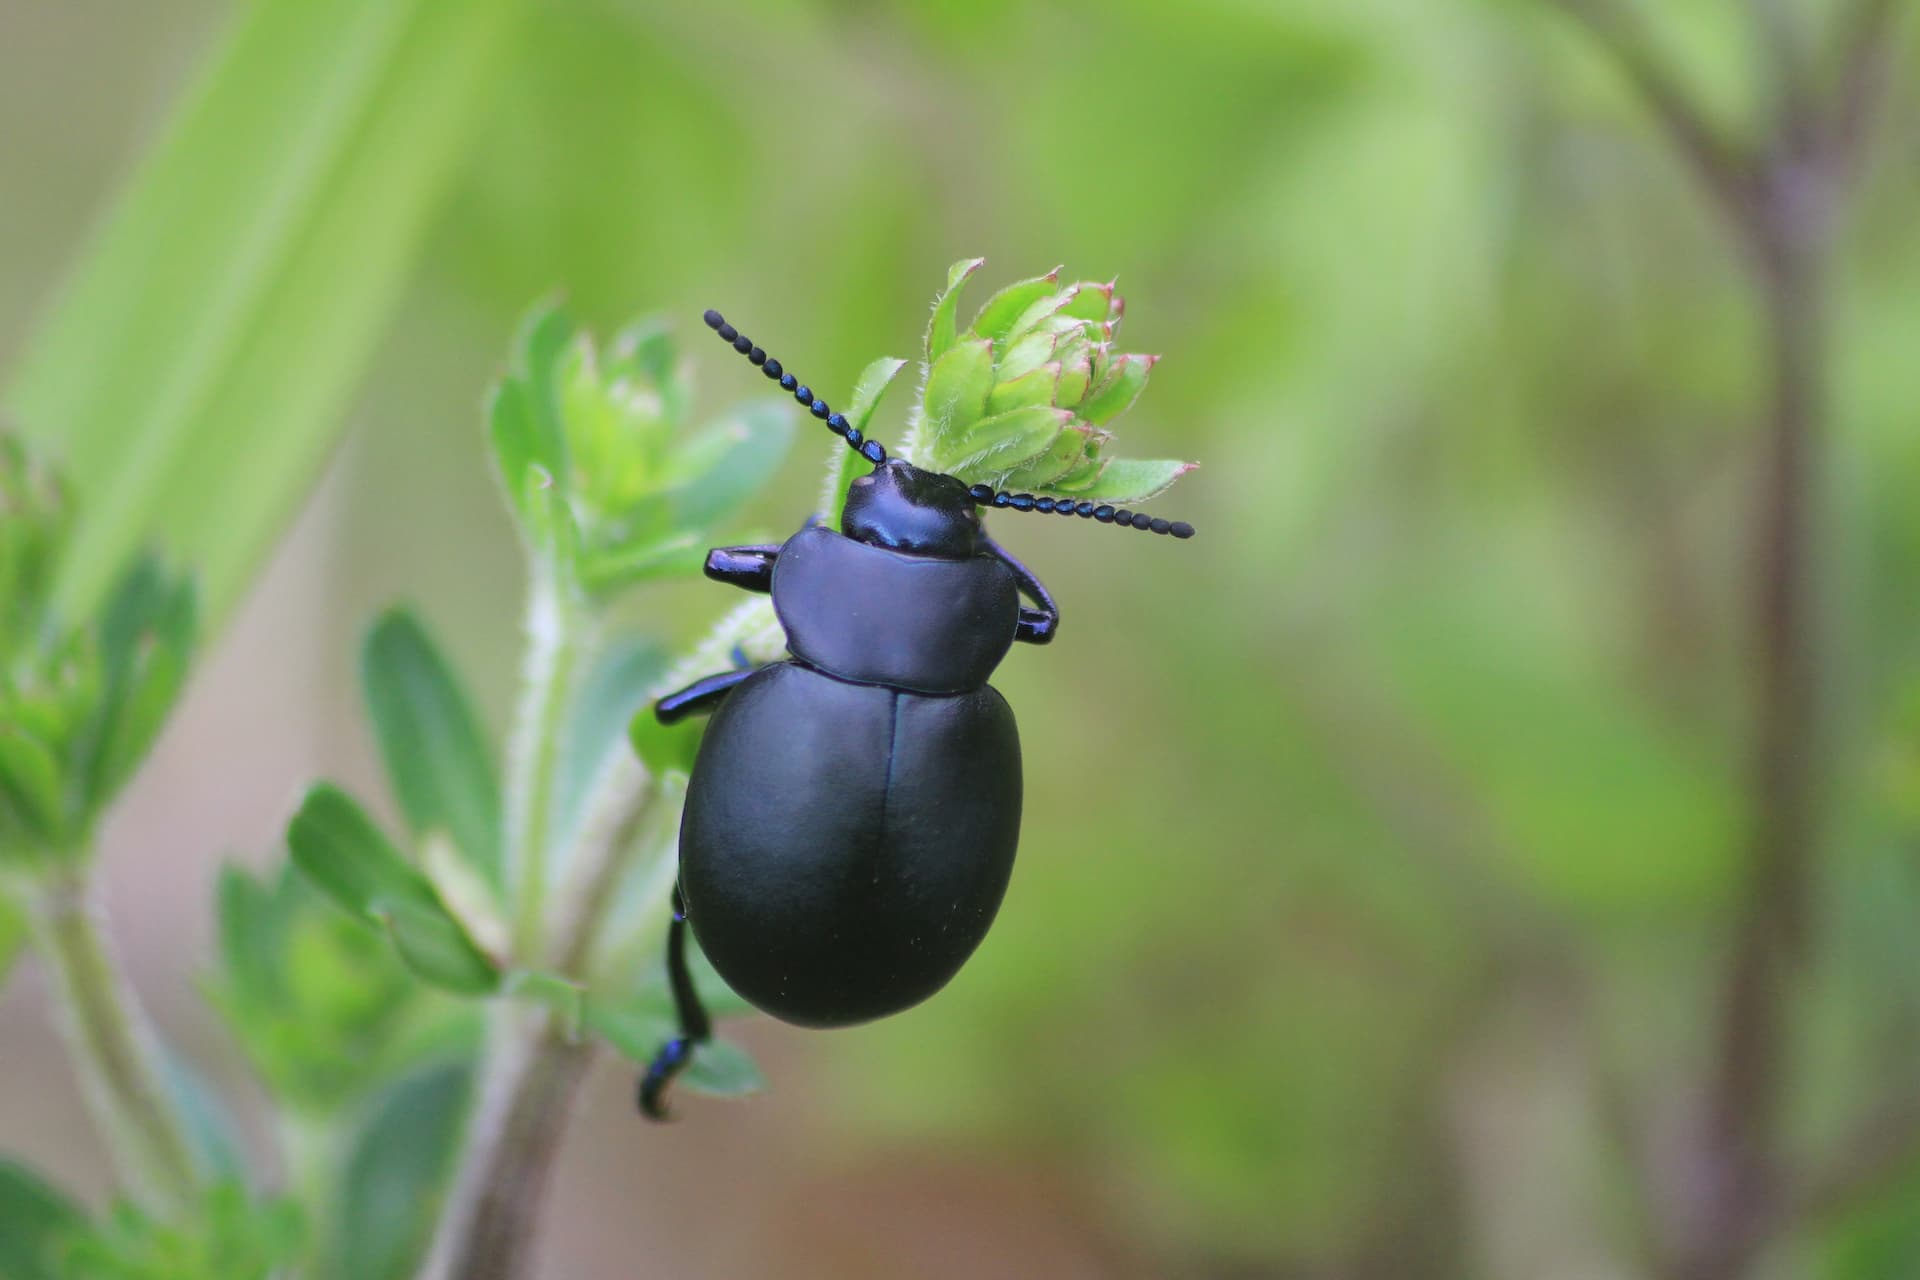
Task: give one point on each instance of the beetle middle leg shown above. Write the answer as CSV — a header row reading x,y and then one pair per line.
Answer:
x,y
695,1027
699,698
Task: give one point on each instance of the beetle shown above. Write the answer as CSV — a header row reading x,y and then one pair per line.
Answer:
x,y
853,810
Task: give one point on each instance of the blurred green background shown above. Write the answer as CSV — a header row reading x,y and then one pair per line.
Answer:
x,y
1382,842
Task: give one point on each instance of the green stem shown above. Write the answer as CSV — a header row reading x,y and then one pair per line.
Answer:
x,y
113,1048
557,646
532,1069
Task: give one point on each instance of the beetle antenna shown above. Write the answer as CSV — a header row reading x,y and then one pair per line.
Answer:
x,y
1119,517
872,450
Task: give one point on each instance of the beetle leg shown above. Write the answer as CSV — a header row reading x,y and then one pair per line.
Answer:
x,y
700,697
749,568
695,1027
1038,625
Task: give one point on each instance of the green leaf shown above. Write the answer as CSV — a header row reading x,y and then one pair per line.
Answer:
x,y
681,556
1090,300
868,388
1006,442
468,897
1076,377
1126,379
719,1067
436,754
727,462
1088,473
338,847
396,1174
13,939
614,690
1033,388
1056,461
30,788
143,704
250,928
1025,355
146,632
956,395
663,747
196,367
722,1069
645,350
1128,480
940,328
996,316
510,430
35,1221
435,947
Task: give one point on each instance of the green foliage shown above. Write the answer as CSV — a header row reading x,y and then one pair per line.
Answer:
x,y
79,706
1021,398
612,483
231,1235
395,1173
36,1220
346,856
197,364
431,742
868,390
13,936
719,1068
322,1006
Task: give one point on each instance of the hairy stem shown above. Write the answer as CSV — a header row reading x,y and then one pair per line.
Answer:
x,y
556,645
114,1050
532,1068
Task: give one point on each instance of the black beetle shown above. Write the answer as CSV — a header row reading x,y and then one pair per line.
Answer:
x,y
852,813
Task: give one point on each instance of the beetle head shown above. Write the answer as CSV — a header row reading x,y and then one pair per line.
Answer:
x,y
902,508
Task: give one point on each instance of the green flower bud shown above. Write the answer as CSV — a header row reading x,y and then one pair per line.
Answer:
x,y
1020,397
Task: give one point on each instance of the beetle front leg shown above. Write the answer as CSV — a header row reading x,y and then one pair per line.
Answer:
x,y
695,1027
749,568
1038,625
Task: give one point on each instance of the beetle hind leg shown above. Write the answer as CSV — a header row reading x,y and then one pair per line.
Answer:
x,y
695,1027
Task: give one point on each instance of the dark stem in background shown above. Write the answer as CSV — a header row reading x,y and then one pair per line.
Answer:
x,y
1779,202
1738,1180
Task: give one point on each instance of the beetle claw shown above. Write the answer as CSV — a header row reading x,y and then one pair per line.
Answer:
x,y
672,1059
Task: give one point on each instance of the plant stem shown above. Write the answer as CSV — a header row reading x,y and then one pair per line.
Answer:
x,y
555,652
532,1074
1740,1171
1781,202
112,1046
532,1069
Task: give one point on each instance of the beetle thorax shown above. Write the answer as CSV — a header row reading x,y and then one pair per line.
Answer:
x,y
865,613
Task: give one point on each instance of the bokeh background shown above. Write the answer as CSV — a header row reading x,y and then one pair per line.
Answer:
x,y
1384,841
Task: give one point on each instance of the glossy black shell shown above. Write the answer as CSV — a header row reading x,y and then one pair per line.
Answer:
x,y
852,815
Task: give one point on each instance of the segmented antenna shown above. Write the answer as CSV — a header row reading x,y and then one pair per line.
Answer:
x,y
872,450
1119,517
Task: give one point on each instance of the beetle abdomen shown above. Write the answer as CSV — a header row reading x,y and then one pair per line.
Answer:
x,y
845,847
